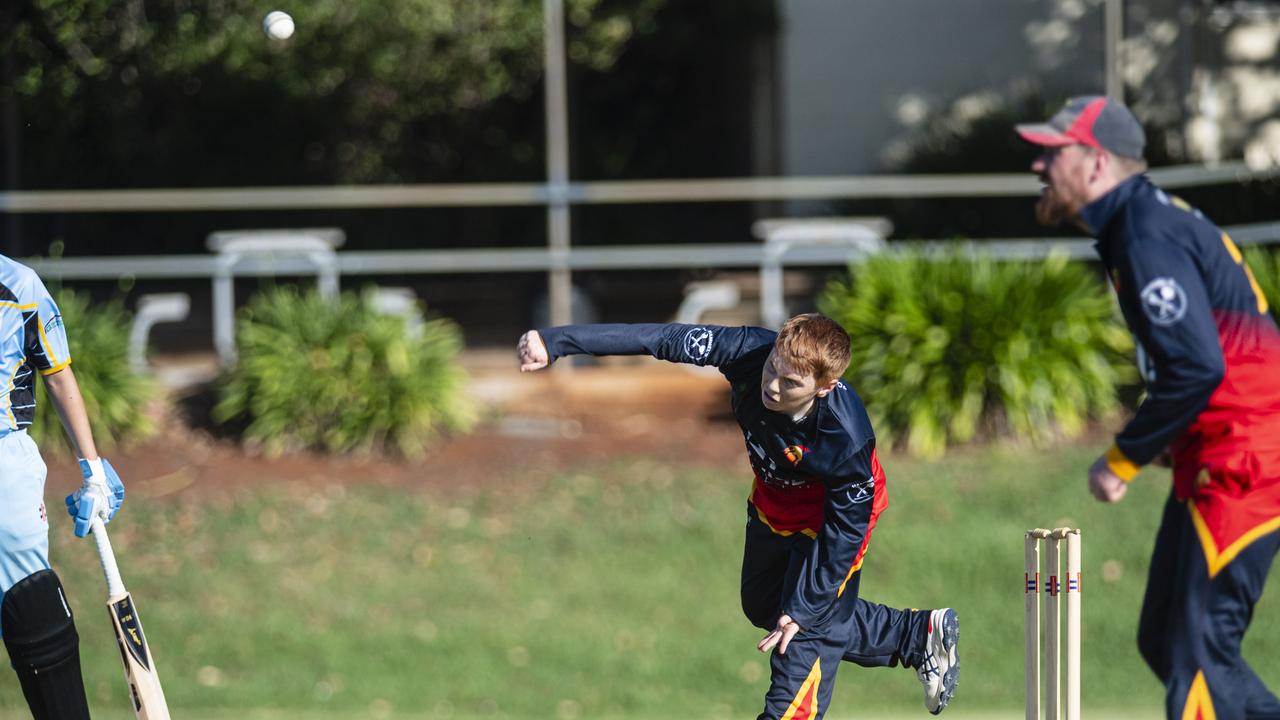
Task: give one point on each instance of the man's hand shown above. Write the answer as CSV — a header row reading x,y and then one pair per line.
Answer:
x,y
101,495
1104,484
781,635
532,352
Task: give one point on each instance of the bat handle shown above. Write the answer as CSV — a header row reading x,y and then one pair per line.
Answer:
x,y
115,586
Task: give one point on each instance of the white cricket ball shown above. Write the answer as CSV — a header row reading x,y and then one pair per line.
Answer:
x,y
278,25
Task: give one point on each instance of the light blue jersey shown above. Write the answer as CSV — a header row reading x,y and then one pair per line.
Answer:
x,y
32,339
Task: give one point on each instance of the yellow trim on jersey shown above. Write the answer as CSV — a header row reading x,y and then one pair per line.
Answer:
x,y
8,395
57,368
1234,251
1238,257
810,683
48,347
856,567
1217,560
1123,467
784,533
1199,702
44,339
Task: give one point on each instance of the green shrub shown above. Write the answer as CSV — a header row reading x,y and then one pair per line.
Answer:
x,y
946,347
1264,263
333,374
115,398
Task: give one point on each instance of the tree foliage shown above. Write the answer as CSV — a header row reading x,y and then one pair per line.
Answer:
x,y
366,90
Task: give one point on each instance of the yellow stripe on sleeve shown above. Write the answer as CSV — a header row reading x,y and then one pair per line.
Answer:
x,y
57,368
1123,467
48,348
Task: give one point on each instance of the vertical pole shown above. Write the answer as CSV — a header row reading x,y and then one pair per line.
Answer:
x,y
773,301
1052,630
1113,32
1073,625
1031,622
559,279
224,311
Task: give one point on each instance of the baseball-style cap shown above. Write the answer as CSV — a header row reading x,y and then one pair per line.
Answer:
x,y
1093,120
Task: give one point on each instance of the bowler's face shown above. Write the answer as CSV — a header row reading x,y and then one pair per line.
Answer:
x,y
1065,172
784,389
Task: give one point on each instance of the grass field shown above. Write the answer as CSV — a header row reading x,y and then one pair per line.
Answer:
x,y
606,592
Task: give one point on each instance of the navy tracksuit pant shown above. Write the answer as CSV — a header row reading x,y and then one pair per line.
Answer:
x,y
1192,624
861,632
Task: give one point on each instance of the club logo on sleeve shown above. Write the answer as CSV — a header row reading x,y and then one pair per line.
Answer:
x,y
697,344
54,322
862,491
1164,301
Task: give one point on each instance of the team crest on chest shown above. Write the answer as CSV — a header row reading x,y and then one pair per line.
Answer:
x,y
795,453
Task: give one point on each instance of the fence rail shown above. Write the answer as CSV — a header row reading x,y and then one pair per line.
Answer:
x,y
727,255
581,193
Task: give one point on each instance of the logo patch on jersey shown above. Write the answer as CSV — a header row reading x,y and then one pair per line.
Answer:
x,y
54,322
697,344
1164,301
795,453
863,491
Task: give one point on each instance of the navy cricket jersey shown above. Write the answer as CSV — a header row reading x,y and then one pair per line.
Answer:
x,y
1209,353
32,339
819,477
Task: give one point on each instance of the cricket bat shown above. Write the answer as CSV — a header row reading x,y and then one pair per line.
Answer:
x,y
139,667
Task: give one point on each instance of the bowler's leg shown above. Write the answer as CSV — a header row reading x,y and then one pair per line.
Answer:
x,y
1207,675
882,636
765,556
802,680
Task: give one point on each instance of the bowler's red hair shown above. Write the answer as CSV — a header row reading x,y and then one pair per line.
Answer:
x,y
815,345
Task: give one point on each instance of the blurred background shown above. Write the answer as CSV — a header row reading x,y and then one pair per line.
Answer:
x,y
293,270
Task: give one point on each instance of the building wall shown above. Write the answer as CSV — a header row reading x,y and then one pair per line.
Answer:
x,y
856,74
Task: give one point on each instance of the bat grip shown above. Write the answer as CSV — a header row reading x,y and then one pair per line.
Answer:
x,y
115,586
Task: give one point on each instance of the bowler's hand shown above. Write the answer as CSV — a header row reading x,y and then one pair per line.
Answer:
x,y
532,352
1104,484
781,636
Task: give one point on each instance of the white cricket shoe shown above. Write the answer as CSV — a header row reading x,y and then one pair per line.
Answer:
x,y
940,670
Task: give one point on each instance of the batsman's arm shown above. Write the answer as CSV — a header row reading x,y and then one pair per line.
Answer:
x,y
64,393
850,506
713,345
102,492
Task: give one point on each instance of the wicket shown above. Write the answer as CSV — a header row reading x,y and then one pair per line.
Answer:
x,y
1053,623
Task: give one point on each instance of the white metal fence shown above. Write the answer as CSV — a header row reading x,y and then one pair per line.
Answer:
x,y
797,243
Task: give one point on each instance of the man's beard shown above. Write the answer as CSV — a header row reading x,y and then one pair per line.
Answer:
x,y
1051,209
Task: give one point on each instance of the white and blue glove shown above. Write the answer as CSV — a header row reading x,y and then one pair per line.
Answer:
x,y
101,495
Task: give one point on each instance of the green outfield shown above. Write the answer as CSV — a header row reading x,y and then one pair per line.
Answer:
x,y
606,592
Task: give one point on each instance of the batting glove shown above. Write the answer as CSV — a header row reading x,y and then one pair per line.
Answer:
x,y
101,495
